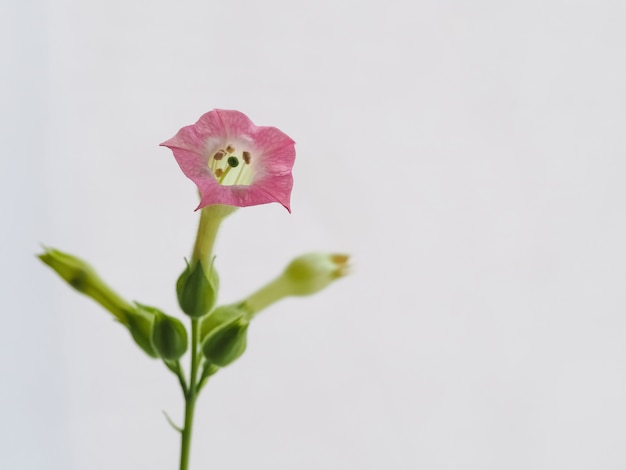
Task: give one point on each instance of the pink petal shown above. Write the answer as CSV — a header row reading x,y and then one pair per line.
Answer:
x,y
273,154
209,127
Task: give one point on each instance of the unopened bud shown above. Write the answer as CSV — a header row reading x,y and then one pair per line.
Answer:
x,y
169,335
226,343
197,289
219,317
311,273
305,275
82,277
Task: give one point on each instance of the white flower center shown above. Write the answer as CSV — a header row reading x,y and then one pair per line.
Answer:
x,y
231,166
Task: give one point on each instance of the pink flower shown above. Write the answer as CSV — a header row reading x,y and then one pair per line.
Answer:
x,y
234,162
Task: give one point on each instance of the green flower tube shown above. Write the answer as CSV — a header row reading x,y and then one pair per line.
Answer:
x,y
305,275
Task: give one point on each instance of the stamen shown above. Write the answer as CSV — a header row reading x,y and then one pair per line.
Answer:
x,y
223,175
221,171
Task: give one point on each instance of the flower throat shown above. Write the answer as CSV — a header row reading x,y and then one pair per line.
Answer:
x,y
231,168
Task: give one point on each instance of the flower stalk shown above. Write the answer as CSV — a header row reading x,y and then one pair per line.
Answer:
x,y
190,397
211,218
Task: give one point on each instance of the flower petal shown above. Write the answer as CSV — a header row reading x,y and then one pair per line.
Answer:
x,y
209,127
273,155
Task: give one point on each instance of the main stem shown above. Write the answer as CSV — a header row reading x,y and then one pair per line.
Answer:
x,y
210,219
190,397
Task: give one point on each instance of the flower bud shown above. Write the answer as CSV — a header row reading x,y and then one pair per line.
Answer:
x,y
311,273
218,317
305,275
226,343
84,279
197,289
169,336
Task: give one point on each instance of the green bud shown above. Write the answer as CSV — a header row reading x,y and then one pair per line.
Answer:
x,y
169,335
226,343
305,275
140,324
309,274
197,289
84,279
218,317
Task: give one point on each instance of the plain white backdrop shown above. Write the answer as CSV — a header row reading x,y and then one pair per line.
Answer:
x,y
471,157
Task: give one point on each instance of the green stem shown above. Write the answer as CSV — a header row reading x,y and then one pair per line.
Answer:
x,y
181,377
190,396
176,369
211,218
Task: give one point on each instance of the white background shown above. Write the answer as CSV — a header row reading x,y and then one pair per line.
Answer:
x,y
471,157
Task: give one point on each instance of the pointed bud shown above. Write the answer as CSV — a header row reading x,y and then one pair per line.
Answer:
x,y
197,289
305,275
169,336
82,277
225,344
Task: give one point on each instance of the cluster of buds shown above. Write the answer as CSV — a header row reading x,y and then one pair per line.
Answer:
x,y
82,277
223,330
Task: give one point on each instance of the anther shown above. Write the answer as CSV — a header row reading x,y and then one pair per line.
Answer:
x,y
219,155
233,161
246,157
219,172
230,149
